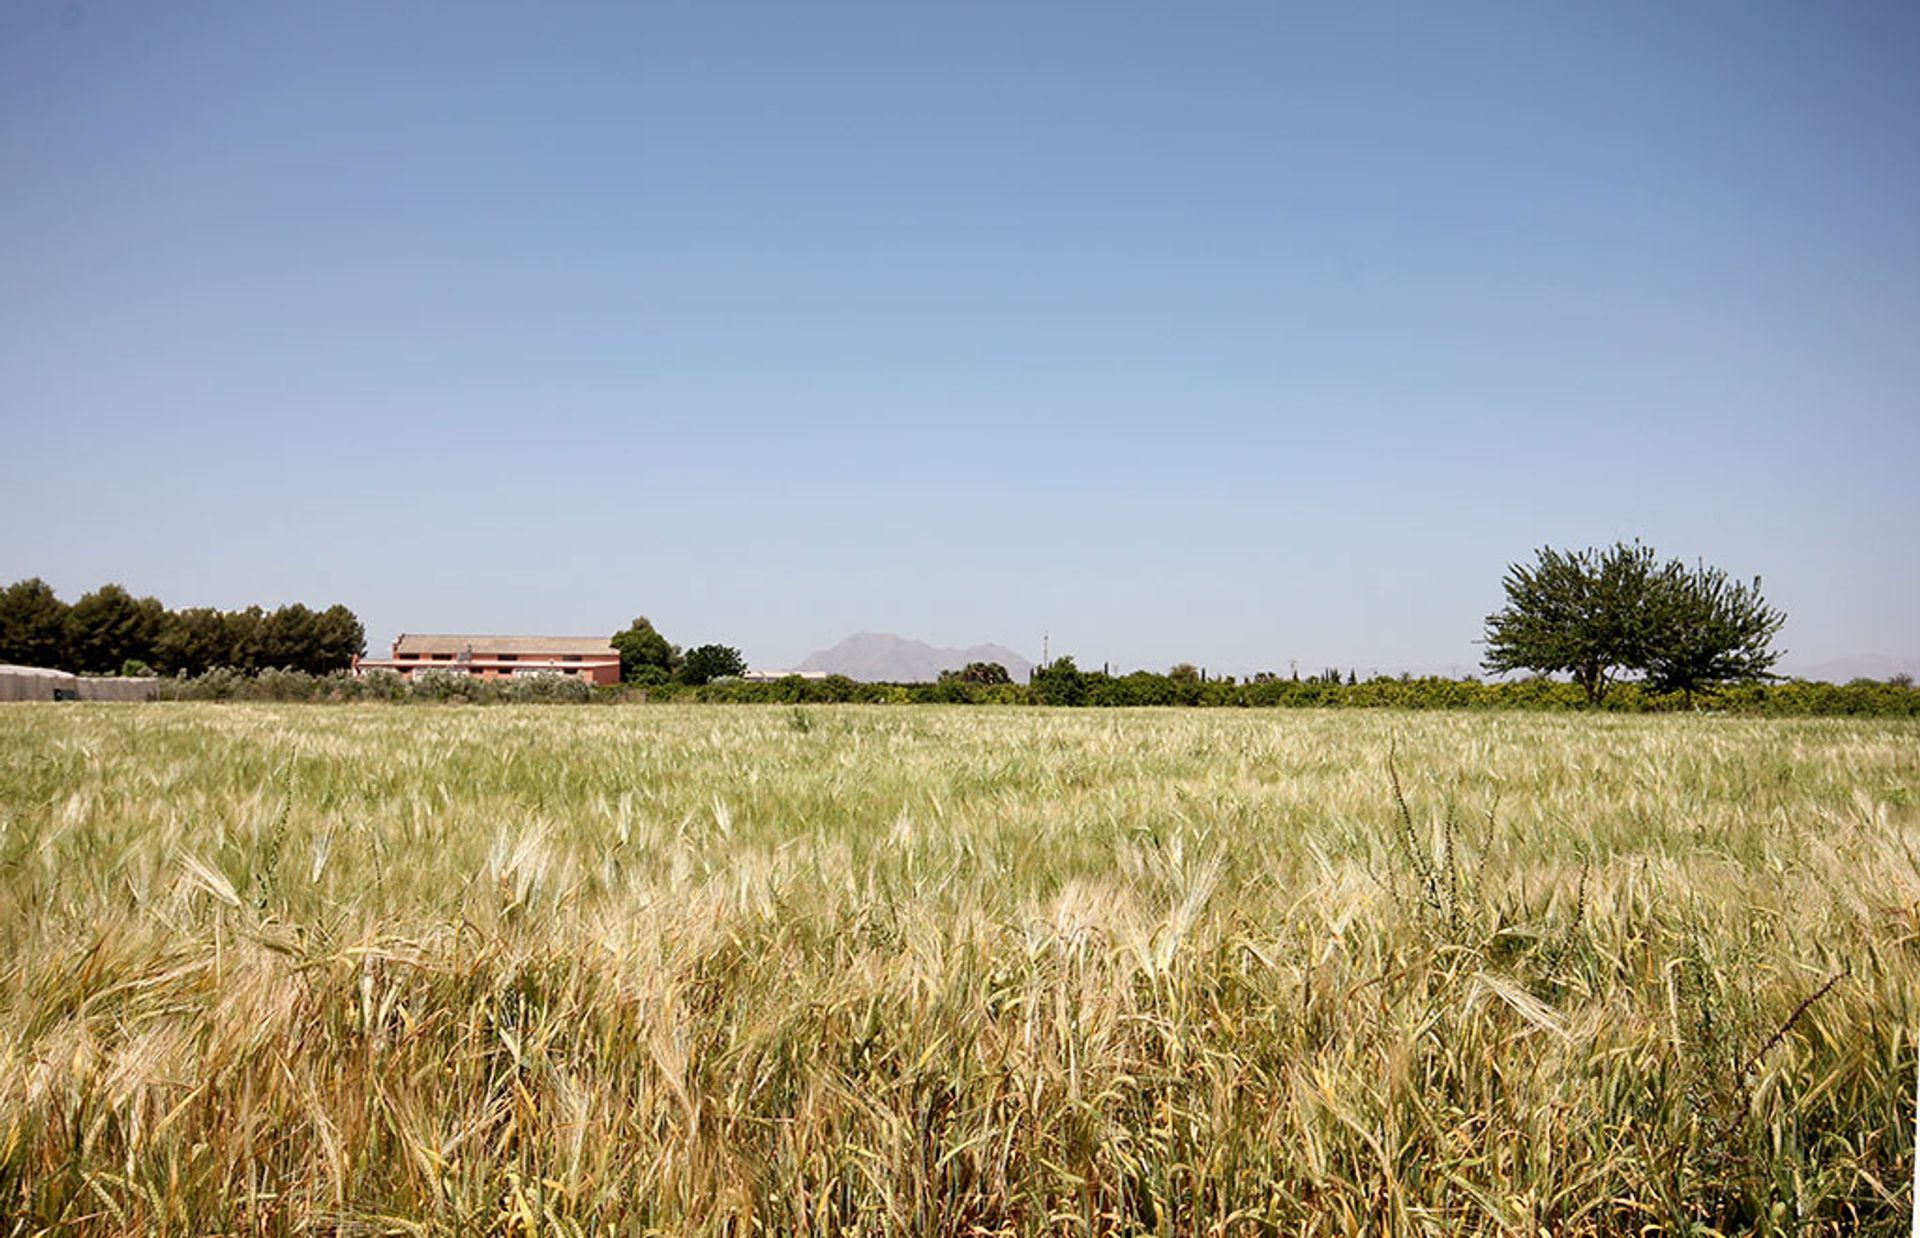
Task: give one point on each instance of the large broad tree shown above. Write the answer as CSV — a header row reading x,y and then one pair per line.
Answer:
x,y
109,628
1597,614
245,635
1709,629
988,673
1059,682
287,638
194,641
339,638
33,624
707,663
645,655
1585,613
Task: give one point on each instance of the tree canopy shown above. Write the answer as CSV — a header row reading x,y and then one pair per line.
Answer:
x,y
645,655
1597,614
987,673
109,631
33,624
1710,630
707,663
109,628
1059,682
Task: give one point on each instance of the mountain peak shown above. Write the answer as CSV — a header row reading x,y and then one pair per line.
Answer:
x,y
882,657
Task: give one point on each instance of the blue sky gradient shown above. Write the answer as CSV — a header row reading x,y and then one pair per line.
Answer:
x,y
1225,333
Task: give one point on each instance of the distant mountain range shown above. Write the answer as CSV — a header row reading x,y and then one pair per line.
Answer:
x,y
880,657
1858,666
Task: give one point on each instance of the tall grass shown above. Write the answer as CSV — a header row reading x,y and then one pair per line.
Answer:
x,y
852,970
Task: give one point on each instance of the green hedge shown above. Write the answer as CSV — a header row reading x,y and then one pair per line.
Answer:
x,y
1089,689
382,685
1097,690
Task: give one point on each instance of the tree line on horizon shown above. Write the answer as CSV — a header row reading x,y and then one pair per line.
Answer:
x,y
1063,684
111,632
1594,616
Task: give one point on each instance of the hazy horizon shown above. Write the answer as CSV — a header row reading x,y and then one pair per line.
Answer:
x,y
1229,335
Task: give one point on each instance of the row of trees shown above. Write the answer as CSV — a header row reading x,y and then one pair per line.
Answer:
x,y
1597,615
1064,684
1594,615
109,632
646,657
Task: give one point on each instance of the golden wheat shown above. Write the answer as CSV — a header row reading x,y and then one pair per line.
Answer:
x,y
863,970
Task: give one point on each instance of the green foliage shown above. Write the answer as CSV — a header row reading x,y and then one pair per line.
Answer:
x,y
383,685
244,643
842,688
110,626
33,625
1587,613
277,684
449,685
194,641
642,649
286,636
1796,698
984,673
1710,630
338,638
429,687
1060,682
1594,614
546,689
706,663
293,637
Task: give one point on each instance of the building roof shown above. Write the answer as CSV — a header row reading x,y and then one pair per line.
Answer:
x,y
36,672
486,646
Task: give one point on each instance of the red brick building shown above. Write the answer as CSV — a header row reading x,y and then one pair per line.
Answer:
x,y
495,657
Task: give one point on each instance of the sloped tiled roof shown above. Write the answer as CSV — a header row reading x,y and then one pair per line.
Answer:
x,y
486,646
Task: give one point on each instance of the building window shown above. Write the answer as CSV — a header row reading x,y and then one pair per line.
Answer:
x,y
409,657
571,657
508,657
443,657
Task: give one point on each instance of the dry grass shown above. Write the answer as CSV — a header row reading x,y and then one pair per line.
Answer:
x,y
704,970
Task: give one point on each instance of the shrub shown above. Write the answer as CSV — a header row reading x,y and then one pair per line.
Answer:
x,y
439,685
383,685
546,688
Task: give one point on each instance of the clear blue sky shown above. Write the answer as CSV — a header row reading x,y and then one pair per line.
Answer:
x,y
1232,333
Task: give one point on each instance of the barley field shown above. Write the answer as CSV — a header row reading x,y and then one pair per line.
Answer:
x,y
709,970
